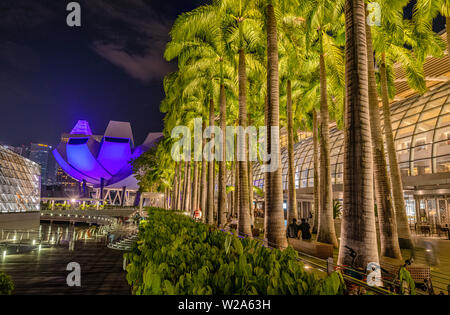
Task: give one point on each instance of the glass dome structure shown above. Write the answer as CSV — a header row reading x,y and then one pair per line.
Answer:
x,y
421,127
20,183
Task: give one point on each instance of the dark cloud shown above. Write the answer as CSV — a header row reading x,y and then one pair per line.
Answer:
x,y
146,67
134,37
111,68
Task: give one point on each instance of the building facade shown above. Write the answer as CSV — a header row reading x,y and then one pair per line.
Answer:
x,y
102,161
41,154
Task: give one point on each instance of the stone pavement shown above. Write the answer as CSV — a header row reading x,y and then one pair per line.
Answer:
x,y
45,272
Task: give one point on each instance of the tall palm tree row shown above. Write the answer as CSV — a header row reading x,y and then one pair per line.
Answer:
x,y
286,63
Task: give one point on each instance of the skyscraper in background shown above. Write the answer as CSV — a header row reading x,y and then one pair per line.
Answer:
x,y
41,154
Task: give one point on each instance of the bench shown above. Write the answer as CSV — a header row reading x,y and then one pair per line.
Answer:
x,y
419,272
313,248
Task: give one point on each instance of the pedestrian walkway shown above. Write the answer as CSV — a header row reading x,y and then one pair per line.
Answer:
x,y
44,271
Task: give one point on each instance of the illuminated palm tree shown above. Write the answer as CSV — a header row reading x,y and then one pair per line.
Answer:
x,y
324,21
275,228
358,219
386,214
198,41
391,40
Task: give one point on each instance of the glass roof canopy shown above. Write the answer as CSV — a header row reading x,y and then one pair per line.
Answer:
x,y
20,183
421,126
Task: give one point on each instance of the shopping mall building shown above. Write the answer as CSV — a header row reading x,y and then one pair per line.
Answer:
x,y
421,127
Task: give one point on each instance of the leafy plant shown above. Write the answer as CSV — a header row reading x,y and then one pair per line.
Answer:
x,y
337,209
176,255
6,284
407,285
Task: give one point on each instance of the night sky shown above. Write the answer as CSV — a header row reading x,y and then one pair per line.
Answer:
x,y
111,68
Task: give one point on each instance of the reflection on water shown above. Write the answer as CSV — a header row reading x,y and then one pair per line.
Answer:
x,y
50,235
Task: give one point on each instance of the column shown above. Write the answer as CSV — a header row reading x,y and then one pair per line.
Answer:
x,y
124,191
102,186
84,189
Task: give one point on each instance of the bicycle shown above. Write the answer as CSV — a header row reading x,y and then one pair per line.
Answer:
x,y
354,272
401,282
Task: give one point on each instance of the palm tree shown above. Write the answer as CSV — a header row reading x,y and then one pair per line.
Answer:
x,y
390,40
358,219
203,180
275,228
316,172
292,213
211,172
324,25
242,25
200,35
222,196
386,214
290,67
427,10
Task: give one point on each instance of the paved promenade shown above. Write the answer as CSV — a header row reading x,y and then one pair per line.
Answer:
x,y
45,272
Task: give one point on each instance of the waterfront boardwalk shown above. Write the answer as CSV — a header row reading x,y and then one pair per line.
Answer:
x,y
44,272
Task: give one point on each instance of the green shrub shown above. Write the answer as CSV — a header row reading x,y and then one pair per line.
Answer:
x,y
175,255
6,284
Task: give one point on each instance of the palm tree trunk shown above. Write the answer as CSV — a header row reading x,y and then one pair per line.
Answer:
x,y
250,193
166,198
203,185
194,199
250,184
404,234
180,185
222,196
358,218
236,189
292,206
233,193
183,200
187,199
211,172
386,214
316,172
266,174
199,185
326,232
244,226
276,231
175,187
447,29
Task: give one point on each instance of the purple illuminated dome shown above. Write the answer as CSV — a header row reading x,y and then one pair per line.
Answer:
x,y
92,158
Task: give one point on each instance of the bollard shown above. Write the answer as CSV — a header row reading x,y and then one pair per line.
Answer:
x,y
330,267
124,263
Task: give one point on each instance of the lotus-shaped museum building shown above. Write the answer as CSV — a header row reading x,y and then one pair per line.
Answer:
x,y
102,161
